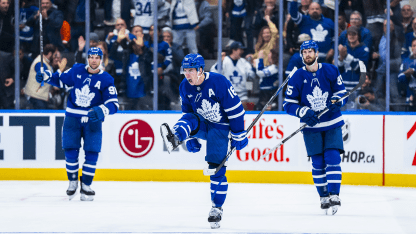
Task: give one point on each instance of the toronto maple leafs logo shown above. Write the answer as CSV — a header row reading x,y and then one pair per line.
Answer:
x,y
238,2
319,34
83,96
317,99
235,78
211,113
134,70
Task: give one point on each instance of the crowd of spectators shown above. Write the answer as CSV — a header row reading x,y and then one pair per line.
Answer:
x,y
124,30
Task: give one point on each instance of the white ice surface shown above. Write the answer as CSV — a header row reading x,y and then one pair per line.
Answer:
x,y
134,207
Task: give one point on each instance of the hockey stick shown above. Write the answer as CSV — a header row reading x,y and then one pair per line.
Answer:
x,y
41,43
213,171
360,83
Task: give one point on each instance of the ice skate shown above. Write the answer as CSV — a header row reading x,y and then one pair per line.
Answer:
x,y
325,204
171,140
72,189
214,217
87,194
335,202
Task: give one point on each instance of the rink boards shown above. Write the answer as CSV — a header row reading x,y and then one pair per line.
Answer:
x,y
379,150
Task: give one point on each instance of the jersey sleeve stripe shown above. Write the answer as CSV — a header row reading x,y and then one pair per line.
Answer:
x,y
111,100
291,100
339,92
233,108
236,115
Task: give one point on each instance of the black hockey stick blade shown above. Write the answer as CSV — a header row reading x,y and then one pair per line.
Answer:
x,y
168,138
363,71
215,170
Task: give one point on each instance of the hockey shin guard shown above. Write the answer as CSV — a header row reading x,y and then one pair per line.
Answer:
x,y
319,175
333,170
72,165
186,125
88,169
219,187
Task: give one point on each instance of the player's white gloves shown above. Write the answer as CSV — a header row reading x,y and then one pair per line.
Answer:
x,y
239,140
46,76
308,116
98,113
193,145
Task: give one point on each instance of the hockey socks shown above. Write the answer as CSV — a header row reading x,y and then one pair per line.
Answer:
x,y
333,170
72,165
219,187
319,175
88,169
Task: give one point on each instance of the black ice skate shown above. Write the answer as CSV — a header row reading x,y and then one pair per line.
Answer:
x,y
87,194
325,204
214,217
335,202
171,140
72,189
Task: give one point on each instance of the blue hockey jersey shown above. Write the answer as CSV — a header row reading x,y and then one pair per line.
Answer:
x,y
26,33
268,75
295,61
88,90
215,100
350,68
407,46
411,81
164,49
321,31
314,90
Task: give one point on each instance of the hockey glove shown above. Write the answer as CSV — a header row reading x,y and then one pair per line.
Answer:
x,y
46,76
97,113
239,140
335,106
193,145
308,116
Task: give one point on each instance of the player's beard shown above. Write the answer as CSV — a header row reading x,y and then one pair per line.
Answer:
x,y
311,62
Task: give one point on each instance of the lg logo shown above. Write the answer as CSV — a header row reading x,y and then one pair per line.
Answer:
x,y
136,138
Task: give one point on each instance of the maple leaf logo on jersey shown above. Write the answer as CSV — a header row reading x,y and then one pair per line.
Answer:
x,y
83,96
211,113
319,34
235,78
134,70
318,100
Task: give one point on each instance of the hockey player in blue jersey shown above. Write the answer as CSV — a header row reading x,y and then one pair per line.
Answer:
x,y
92,98
211,111
310,90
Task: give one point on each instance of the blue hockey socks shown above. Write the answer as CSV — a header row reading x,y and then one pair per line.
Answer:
x,y
319,175
185,125
219,187
72,165
333,170
88,169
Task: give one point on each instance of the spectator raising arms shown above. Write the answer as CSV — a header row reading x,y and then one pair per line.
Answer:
x,y
320,29
267,40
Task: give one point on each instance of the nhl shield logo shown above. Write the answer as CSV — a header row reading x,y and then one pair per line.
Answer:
x,y
346,134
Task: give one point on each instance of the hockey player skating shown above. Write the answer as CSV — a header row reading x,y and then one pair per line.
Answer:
x,y
211,111
310,90
92,98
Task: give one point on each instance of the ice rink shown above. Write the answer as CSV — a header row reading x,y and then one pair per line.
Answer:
x,y
179,207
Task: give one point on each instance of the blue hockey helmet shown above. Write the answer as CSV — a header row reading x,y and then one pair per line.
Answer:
x,y
311,44
95,51
193,61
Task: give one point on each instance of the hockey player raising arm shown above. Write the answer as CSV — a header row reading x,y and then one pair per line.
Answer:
x,y
92,98
310,90
211,111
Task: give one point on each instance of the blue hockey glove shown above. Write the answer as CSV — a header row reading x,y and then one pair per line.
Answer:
x,y
335,106
308,116
239,140
98,113
193,145
45,77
